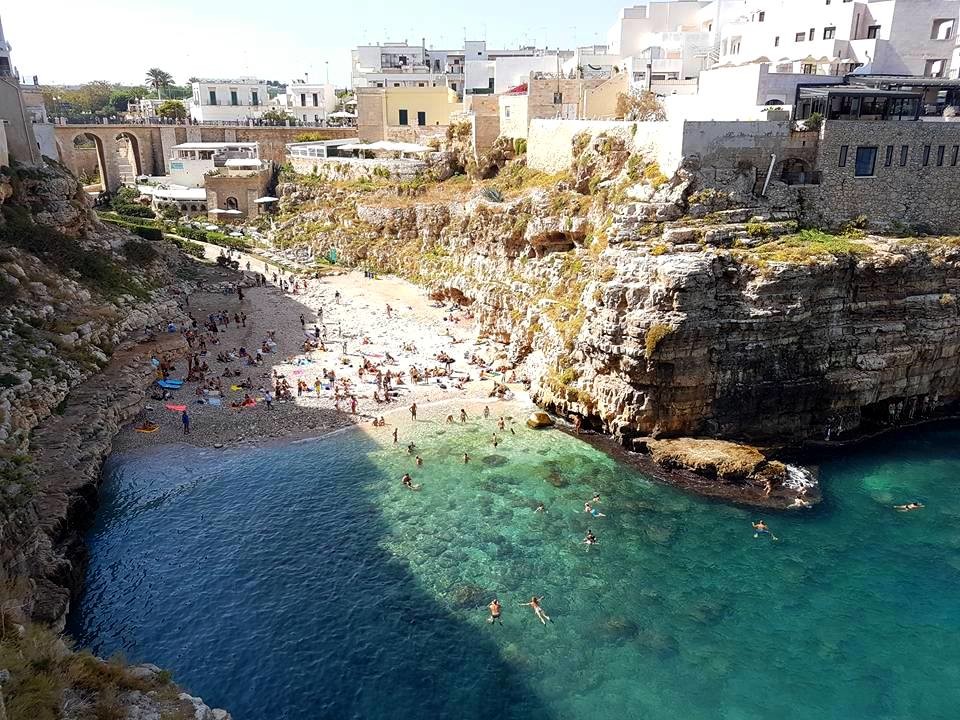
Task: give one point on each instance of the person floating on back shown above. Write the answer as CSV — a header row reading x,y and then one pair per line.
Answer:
x,y
534,604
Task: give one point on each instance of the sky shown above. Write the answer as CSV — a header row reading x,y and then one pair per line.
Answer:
x,y
70,42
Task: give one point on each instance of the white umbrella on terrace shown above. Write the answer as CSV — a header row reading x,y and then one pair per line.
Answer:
x,y
342,114
266,199
217,211
231,212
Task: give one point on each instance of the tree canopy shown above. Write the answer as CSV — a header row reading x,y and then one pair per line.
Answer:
x,y
159,79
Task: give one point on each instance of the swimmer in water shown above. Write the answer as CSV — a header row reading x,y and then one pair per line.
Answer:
x,y
395,436
407,480
449,419
590,539
410,448
466,458
908,507
537,609
590,510
419,461
495,610
540,508
486,415
501,424
596,498
760,528
495,440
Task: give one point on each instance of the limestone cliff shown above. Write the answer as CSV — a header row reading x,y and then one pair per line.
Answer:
x,y
656,306
74,294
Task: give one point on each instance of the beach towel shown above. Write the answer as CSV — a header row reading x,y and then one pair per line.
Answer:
x,y
175,408
235,387
167,385
214,401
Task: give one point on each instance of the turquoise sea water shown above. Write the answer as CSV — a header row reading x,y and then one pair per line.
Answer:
x,y
302,581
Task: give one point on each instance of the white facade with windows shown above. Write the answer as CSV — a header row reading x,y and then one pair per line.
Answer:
x,y
228,100
310,102
900,37
472,70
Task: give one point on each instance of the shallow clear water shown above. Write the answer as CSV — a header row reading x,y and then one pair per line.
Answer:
x,y
302,581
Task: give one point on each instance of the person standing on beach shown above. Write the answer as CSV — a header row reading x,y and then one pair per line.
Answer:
x,y
185,419
389,310
395,436
336,297
268,399
463,415
413,412
486,412
353,404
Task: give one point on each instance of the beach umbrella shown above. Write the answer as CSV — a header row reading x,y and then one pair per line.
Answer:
x,y
266,199
216,211
209,227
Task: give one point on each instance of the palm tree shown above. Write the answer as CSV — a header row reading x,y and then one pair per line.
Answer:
x,y
159,79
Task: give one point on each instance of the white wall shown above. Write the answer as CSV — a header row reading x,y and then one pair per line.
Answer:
x,y
4,150
477,74
186,172
512,71
44,132
549,143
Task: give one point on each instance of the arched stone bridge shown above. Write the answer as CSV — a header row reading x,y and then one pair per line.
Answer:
x,y
125,151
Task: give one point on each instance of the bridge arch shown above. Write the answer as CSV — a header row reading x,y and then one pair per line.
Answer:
x,y
80,145
129,159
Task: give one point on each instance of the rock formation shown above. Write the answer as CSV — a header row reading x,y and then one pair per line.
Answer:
x,y
75,296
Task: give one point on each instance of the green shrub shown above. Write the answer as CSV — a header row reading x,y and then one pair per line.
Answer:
x,y
189,247
659,249
95,267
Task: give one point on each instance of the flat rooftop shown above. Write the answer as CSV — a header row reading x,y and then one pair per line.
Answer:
x,y
216,145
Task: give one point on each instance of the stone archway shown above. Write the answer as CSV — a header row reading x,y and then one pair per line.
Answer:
x,y
89,157
129,160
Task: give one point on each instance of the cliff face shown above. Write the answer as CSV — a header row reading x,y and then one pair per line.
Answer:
x,y
74,296
659,307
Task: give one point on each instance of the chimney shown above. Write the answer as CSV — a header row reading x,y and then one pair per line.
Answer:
x,y
36,80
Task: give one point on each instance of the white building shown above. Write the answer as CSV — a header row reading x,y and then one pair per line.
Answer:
x,y
310,102
191,162
897,37
665,45
472,70
229,101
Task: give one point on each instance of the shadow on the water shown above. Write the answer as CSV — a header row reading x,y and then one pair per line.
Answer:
x,y
268,588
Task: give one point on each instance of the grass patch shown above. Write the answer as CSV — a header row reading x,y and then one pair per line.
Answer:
x,y
656,333
808,245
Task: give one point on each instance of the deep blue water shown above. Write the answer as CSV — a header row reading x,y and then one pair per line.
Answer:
x,y
302,581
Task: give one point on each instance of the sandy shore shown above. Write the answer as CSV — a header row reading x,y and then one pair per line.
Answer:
x,y
416,331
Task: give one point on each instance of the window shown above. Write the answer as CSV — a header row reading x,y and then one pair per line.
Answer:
x,y
761,16
776,41
872,32
941,151
888,160
403,117
942,29
506,111
813,34
809,69
953,155
866,162
419,84
800,37
829,33
303,99
316,100
934,68
558,98
234,100
421,118
904,155
926,155
254,98
843,155
396,84
213,97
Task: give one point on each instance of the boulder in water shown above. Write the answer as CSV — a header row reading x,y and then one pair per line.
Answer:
x,y
538,420
467,596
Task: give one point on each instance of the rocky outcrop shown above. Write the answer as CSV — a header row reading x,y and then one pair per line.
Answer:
x,y
657,307
75,297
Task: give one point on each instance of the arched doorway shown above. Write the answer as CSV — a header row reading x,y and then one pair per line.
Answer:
x,y
128,157
795,171
90,162
232,204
